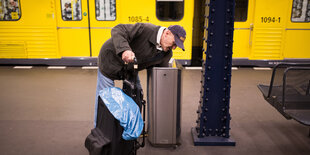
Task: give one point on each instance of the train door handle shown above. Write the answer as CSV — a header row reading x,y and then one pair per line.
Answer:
x,y
250,36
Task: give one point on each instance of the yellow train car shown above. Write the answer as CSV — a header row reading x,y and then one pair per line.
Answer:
x,y
71,32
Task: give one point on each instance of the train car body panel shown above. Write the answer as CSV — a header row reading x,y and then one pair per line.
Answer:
x,y
31,33
261,35
295,44
268,30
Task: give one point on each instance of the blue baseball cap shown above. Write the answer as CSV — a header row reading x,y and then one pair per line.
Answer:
x,y
179,35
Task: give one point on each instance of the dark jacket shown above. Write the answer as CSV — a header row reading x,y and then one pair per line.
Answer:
x,y
139,38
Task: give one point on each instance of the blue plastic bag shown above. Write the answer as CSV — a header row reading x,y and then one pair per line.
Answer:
x,y
124,109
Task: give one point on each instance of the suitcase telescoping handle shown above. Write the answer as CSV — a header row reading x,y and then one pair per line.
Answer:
x,y
131,73
135,67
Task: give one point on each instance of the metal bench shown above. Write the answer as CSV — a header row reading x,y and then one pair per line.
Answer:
x,y
289,91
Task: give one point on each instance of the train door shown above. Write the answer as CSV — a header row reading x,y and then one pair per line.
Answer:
x,y
243,28
103,18
73,28
268,30
298,30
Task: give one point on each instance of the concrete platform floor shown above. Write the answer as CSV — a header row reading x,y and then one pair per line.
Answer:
x,y
50,111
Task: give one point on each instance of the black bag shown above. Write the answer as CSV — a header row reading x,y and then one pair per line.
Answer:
x,y
106,138
96,142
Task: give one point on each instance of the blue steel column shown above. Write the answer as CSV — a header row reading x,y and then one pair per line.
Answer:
x,y
213,112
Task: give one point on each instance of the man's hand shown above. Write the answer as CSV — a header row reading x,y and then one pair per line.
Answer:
x,y
128,56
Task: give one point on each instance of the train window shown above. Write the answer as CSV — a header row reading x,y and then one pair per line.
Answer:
x,y
71,10
241,10
301,11
169,10
105,9
9,10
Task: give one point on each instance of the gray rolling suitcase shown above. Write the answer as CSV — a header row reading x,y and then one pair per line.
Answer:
x,y
164,106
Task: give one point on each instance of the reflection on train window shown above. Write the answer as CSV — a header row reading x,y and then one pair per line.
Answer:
x,y
301,11
241,10
105,10
9,10
71,10
168,10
